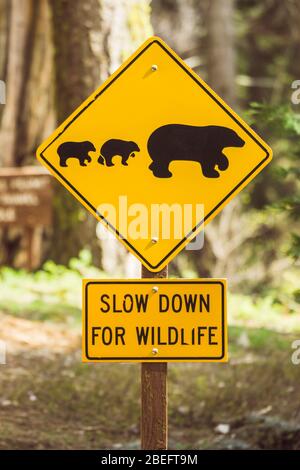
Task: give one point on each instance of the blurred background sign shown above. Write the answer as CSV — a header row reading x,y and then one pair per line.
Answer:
x,y
25,197
26,202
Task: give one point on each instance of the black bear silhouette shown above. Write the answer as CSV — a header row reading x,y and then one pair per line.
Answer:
x,y
113,147
79,150
203,144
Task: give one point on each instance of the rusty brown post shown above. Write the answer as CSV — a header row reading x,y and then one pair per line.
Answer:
x,y
154,400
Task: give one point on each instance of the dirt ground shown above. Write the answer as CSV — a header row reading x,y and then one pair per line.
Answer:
x,y
50,400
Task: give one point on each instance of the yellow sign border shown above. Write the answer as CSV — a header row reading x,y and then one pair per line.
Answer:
x,y
154,281
182,243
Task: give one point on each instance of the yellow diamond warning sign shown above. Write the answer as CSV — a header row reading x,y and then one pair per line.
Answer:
x,y
154,320
154,154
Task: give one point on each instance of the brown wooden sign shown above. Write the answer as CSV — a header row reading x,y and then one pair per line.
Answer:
x,y
25,197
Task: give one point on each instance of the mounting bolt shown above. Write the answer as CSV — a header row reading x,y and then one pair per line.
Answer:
x,y
154,351
154,67
154,289
154,239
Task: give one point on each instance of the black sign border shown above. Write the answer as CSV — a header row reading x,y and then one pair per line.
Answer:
x,y
153,359
94,209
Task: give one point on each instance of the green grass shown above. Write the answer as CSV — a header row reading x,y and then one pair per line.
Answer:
x,y
264,312
50,294
258,339
54,294
56,401
97,405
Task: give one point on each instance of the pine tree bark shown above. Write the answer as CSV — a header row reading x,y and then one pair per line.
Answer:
x,y
19,14
90,40
221,51
221,77
77,72
26,68
27,115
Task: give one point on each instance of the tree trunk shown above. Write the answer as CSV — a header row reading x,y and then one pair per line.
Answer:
x,y
221,51
178,23
221,77
27,115
26,68
126,24
19,15
90,41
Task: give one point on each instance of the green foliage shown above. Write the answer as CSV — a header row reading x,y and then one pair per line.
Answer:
x,y
52,293
279,189
280,121
277,310
256,339
294,250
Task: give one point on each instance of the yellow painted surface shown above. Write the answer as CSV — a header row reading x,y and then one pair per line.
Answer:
x,y
129,106
154,320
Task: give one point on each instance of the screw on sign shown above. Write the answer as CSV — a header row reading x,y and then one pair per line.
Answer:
x,y
183,147
175,320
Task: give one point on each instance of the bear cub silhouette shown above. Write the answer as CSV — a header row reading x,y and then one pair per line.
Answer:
x,y
113,147
79,150
203,144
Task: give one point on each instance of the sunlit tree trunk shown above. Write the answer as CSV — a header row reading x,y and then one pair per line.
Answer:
x,y
220,234
27,115
18,15
221,49
25,66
